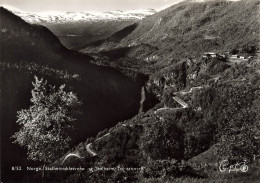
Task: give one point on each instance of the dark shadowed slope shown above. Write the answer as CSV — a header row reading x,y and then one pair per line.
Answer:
x,y
107,95
23,41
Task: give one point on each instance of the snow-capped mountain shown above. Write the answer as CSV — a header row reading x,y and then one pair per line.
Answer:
x,y
76,29
66,17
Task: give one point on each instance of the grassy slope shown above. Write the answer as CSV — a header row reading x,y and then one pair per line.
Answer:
x,y
231,109
86,32
192,28
189,29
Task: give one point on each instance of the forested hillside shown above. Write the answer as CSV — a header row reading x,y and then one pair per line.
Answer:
x,y
108,96
209,106
201,62
189,29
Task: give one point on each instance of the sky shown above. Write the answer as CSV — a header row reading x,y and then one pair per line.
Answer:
x,y
87,5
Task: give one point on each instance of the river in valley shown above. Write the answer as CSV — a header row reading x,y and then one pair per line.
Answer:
x,y
107,96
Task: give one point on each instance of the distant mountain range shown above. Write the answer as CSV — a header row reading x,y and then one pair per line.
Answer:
x,y
221,95
76,29
72,17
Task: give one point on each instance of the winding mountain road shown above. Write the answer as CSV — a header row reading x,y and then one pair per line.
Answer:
x,y
89,150
191,90
88,146
77,155
183,104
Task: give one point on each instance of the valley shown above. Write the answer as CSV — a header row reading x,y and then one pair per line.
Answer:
x,y
76,29
110,96
171,93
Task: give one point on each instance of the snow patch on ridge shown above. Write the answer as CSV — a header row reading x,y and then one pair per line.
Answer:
x,y
86,16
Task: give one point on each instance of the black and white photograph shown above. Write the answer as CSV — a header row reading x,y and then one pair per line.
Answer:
x,y
130,91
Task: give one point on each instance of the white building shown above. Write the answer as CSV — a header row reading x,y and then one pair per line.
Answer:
x,y
210,54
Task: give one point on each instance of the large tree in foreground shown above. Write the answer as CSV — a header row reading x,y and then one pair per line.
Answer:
x,y
47,123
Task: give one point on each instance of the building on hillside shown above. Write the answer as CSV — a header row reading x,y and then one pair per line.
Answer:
x,y
155,57
250,57
234,56
210,54
239,58
134,43
151,58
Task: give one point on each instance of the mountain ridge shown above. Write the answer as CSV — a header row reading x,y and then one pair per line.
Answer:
x,y
76,29
189,29
51,17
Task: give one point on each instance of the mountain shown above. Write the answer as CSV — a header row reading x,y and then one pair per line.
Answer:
x,y
66,17
108,96
76,29
207,121
191,28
